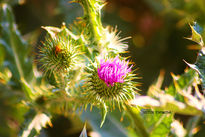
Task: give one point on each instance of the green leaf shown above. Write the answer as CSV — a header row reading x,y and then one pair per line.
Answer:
x,y
34,123
199,66
27,89
196,37
181,82
137,120
15,47
158,122
168,103
53,31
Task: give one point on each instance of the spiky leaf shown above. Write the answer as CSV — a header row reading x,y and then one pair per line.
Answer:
x,y
158,122
34,123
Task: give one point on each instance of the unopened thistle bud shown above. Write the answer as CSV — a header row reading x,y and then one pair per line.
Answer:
x,y
59,53
111,82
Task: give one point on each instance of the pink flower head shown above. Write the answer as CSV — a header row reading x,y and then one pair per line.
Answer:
x,y
113,70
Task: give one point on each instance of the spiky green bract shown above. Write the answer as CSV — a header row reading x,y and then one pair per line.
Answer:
x,y
98,93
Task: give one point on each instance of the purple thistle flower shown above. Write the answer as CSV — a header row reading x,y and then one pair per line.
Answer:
x,y
113,70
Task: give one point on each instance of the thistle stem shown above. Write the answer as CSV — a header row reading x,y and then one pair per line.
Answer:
x,y
92,10
138,124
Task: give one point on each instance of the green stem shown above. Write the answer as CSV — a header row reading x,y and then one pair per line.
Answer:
x,y
140,128
92,10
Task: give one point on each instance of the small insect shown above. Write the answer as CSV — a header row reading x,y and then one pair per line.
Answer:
x,y
57,49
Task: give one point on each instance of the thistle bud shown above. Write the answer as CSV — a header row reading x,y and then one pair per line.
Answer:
x,y
59,52
61,57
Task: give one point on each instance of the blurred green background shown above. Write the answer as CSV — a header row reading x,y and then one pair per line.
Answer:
x,y
158,29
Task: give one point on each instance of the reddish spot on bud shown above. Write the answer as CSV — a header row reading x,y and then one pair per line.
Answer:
x,y
57,49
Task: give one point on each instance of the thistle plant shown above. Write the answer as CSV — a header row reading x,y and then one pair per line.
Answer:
x,y
106,82
83,66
